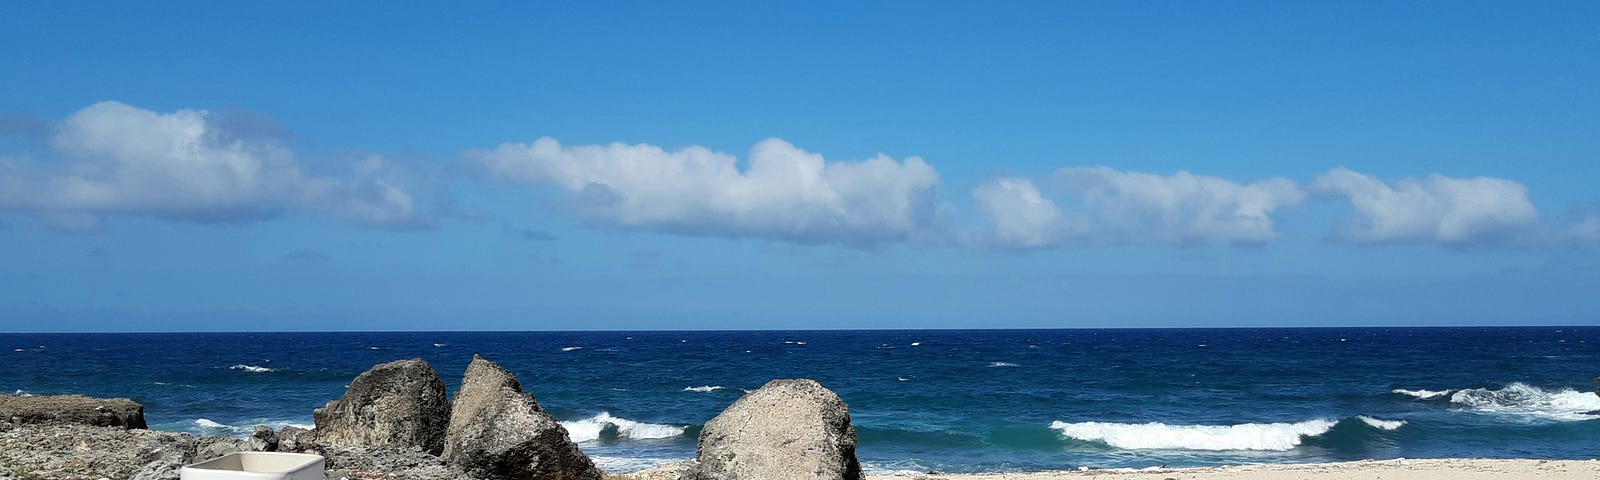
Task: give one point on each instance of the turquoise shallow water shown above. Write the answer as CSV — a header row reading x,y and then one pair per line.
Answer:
x,y
955,401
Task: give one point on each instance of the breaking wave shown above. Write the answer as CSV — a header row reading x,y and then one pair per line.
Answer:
x,y
206,426
1246,436
251,368
1003,364
1526,400
1422,394
704,389
1381,424
590,429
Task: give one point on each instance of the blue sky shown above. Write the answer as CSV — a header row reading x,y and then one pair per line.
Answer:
x,y
355,166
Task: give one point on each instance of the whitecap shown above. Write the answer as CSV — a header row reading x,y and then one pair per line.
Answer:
x,y
21,393
568,349
1381,424
374,348
1529,401
704,389
440,345
19,350
1003,364
1422,394
1161,436
916,344
903,379
589,429
251,368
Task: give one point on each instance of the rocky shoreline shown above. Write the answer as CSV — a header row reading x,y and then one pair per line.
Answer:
x,y
397,422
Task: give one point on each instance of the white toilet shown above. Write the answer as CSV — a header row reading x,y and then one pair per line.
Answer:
x,y
256,466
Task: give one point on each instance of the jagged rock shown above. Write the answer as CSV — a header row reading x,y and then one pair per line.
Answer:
x,y
69,452
399,404
498,432
295,439
76,452
263,439
72,410
786,430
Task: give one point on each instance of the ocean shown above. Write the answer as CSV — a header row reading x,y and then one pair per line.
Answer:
x,y
921,400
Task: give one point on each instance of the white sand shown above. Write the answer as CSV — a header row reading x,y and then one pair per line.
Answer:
x,y
1404,469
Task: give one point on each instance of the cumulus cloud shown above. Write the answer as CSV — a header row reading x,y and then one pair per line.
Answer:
x,y
784,193
1433,209
189,165
1106,206
1022,217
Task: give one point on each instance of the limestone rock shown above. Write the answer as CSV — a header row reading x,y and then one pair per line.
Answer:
x,y
72,410
670,471
399,404
296,440
498,432
263,439
786,430
77,452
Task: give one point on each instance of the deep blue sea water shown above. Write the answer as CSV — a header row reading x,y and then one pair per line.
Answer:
x,y
954,401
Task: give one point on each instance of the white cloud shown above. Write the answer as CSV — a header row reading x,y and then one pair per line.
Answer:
x,y
1434,209
1108,206
1022,217
118,159
785,193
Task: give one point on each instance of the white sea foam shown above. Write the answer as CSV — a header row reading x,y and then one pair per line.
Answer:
x,y
1422,394
704,389
589,429
1003,364
441,345
568,349
211,427
1381,424
250,368
630,464
916,344
898,468
1161,436
1526,400
21,393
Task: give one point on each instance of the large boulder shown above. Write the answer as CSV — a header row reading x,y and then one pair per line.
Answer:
x,y
498,432
787,430
71,410
400,404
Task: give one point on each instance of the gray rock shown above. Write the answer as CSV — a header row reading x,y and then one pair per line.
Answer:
x,y
670,471
295,439
76,452
73,410
498,432
398,404
786,430
263,439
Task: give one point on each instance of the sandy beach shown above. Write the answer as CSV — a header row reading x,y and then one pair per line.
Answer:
x,y
1400,469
